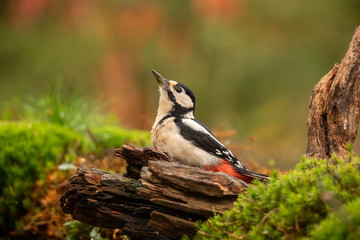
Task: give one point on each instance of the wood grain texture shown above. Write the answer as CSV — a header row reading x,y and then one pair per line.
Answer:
x,y
334,110
160,200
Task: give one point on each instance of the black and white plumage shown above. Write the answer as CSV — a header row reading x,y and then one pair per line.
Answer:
x,y
185,139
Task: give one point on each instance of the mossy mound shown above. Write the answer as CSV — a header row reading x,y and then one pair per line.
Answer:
x,y
28,149
342,224
301,204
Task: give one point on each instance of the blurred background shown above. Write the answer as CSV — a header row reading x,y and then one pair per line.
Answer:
x,y
251,64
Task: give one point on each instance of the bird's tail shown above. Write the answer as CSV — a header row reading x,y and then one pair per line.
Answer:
x,y
255,175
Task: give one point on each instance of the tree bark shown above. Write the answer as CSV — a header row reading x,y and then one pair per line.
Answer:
x,y
334,106
162,201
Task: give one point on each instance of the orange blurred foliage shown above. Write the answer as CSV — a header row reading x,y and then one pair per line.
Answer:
x,y
139,22
45,218
26,12
222,9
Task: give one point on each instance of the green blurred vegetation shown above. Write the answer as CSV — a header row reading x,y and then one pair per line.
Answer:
x,y
75,231
318,199
70,108
27,150
342,224
251,64
37,136
111,136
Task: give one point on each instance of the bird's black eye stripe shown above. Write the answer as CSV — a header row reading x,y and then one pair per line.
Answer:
x,y
178,89
188,92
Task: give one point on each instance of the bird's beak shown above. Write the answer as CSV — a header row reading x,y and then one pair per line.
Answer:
x,y
161,80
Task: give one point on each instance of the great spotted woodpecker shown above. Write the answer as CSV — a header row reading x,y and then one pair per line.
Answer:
x,y
188,141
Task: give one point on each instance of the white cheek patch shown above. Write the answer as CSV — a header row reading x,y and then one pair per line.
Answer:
x,y
184,100
181,98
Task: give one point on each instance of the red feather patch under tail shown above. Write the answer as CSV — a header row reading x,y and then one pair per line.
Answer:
x,y
225,167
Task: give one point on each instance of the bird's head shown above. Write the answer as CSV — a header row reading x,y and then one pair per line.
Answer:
x,y
175,98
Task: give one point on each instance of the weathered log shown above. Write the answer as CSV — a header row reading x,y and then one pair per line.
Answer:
x,y
163,203
107,200
137,158
335,106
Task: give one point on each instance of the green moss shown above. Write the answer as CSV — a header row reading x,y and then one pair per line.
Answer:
x,y
290,205
342,224
43,132
27,150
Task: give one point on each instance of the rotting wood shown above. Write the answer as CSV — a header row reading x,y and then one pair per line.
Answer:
x,y
162,201
137,158
334,110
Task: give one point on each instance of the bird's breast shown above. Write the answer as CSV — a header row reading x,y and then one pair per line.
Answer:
x,y
166,136
162,131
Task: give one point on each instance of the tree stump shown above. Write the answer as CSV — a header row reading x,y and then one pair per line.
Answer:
x,y
335,106
157,199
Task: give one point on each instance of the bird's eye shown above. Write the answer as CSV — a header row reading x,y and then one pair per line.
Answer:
x,y
178,89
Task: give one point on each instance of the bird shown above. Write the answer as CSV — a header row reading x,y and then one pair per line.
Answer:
x,y
188,141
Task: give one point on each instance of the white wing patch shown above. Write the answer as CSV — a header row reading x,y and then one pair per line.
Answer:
x,y
240,165
217,151
197,127
199,135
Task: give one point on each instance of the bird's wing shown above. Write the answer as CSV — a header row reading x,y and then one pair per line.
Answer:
x,y
194,131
